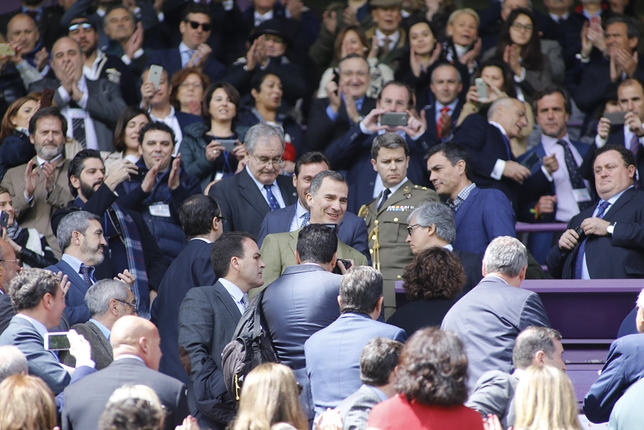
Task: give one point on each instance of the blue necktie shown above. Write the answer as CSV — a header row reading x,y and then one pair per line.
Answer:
x,y
579,261
306,219
86,274
272,201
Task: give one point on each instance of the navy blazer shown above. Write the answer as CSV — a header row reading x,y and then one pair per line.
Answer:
x,y
170,59
185,119
76,311
352,230
430,116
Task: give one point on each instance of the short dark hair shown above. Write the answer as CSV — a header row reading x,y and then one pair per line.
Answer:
x,y
317,243
378,359
258,79
435,273
44,113
119,132
115,7
317,180
410,92
196,8
76,166
549,90
532,340
631,28
229,245
360,290
390,141
627,155
454,152
156,125
196,214
312,157
432,368
351,56
29,287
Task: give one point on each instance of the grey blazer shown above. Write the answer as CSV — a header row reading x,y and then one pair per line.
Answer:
x,y
101,347
104,105
355,409
494,394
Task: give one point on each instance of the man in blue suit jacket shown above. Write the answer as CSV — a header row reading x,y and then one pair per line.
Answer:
x,y
480,215
333,353
352,230
445,107
193,51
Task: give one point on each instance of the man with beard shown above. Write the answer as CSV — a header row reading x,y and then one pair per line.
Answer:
x,y
39,187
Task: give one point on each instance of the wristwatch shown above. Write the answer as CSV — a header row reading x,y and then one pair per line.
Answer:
x,y
610,229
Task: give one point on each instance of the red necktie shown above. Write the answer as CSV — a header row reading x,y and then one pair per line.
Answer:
x,y
439,124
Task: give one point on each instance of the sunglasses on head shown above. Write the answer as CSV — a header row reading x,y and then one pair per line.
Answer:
x,y
83,25
195,25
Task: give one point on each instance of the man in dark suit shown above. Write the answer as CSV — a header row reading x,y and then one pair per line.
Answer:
x,y
333,353
623,368
193,51
136,349
202,223
352,152
47,18
331,117
9,268
303,301
108,300
488,142
490,317
258,189
612,234
208,316
451,174
441,115
351,230
97,103
390,37
39,300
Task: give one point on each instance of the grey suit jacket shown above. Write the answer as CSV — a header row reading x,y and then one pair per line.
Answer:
x,y
6,311
355,409
42,363
104,105
101,347
488,320
494,394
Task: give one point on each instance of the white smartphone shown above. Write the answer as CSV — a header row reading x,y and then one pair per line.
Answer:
x,y
56,341
481,88
155,75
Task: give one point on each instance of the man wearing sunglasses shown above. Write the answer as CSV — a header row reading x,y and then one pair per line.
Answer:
x,y
193,51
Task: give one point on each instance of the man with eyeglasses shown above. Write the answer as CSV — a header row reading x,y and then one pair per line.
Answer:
x,y
193,51
108,300
248,196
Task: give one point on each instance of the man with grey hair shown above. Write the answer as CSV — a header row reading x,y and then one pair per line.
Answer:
x,y
494,391
107,301
333,353
490,317
12,362
248,196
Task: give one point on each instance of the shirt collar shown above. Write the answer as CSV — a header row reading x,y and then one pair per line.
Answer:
x,y
259,184
42,161
170,115
394,37
74,262
200,238
613,199
557,18
300,210
551,142
501,129
40,327
232,289
397,187
461,197
451,106
379,392
106,331
449,247
124,356
184,48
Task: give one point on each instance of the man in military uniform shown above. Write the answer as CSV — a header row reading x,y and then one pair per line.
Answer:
x,y
386,215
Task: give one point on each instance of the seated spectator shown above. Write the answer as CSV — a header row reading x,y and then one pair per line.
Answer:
x,y
432,285
22,31
390,37
13,362
430,381
47,17
12,82
188,87
133,407
9,268
545,399
16,147
201,153
462,43
126,136
333,353
159,188
193,51
444,106
91,108
267,93
351,40
269,397
30,246
27,403
331,117
39,299
156,101
107,301
124,37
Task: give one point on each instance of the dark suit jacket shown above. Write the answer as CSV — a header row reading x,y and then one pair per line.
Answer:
x,y
101,347
333,356
355,409
352,230
76,311
616,256
170,59
22,334
6,311
243,205
488,320
191,268
476,227
430,116
472,264
86,399
321,131
49,24
624,367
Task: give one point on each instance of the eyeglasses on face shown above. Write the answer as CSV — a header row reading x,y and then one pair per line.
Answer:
x,y
195,25
410,228
17,261
265,161
520,27
83,25
133,304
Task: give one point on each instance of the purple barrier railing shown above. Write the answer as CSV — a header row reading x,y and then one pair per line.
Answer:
x,y
526,227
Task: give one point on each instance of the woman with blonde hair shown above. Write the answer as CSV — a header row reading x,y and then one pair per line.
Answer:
x,y
27,404
270,396
545,400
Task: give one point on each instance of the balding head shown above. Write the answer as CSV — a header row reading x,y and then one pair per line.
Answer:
x,y
137,336
9,266
23,31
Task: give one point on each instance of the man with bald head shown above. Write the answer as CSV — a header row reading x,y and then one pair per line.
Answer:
x,y
23,32
137,353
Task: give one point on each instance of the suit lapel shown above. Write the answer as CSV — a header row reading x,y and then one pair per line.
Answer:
x,y
105,343
227,301
622,201
250,193
72,276
285,221
462,210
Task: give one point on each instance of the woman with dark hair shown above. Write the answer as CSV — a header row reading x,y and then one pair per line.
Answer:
x,y
188,86
430,381
434,281
16,147
202,153
126,136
